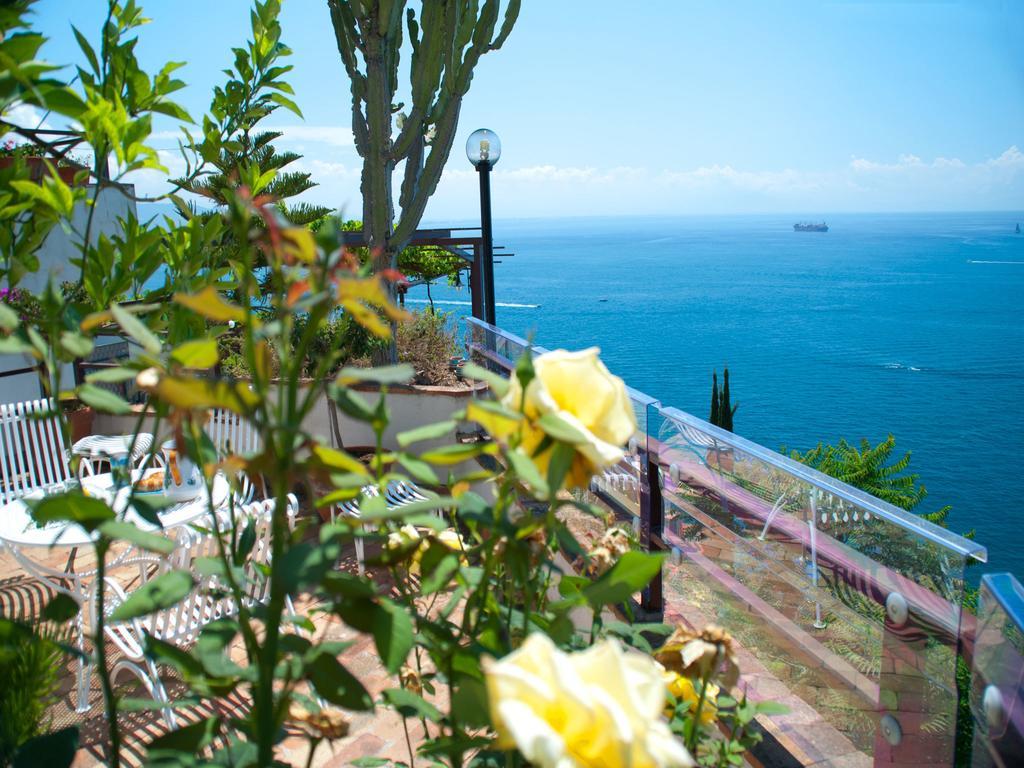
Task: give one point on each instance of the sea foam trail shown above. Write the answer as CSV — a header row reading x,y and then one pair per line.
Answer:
x,y
976,261
509,304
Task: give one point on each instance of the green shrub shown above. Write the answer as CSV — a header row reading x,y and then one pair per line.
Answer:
x,y
30,671
426,342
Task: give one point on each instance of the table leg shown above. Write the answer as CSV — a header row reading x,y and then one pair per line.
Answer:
x,y
82,704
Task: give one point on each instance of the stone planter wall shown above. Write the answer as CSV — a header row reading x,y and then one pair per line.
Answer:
x,y
410,407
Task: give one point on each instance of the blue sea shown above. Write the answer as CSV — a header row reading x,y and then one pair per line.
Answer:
x,y
910,324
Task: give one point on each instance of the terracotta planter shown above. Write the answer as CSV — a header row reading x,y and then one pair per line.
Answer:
x,y
37,169
81,422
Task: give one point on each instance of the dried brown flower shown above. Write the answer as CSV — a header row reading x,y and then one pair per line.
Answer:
x,y
327,724
697,655
410,679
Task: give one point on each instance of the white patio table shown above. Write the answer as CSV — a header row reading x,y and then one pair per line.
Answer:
x,y
28,543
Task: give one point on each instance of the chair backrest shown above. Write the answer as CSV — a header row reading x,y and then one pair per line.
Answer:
x,y
32,451
231,434
210,600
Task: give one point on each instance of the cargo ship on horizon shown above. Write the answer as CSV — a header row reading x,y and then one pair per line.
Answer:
x,y
807,226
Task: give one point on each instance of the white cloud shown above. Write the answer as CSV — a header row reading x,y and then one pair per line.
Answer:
x,y
1012,158
27,116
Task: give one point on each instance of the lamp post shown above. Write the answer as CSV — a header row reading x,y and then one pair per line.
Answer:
x,y
483,149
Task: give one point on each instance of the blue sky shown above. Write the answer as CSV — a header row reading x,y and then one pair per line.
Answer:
x,y
674,108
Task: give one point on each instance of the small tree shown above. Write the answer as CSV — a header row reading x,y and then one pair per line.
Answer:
x,y
726,408
715,408
722,409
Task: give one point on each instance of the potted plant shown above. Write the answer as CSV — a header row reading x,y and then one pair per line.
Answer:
x,y
80,418
35,157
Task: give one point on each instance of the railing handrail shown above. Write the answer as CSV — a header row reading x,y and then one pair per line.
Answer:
x,y
882,509
1009,593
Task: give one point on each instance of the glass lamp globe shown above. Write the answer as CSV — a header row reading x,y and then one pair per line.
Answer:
x,y
483,147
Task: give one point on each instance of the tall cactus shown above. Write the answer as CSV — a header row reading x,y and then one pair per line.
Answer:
x,y
447,40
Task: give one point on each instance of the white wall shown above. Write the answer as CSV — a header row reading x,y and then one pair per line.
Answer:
x,y
55,260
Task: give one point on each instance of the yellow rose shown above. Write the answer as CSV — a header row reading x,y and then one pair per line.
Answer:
x,y
579,389
683,689
600,707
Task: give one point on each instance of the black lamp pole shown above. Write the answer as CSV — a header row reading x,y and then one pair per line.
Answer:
x,y
484,169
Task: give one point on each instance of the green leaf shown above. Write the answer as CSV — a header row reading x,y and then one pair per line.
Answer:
x,y
165,590
61,608
771,708
189,738
558,428
76,344
149,508
388,374
392,634
287,103
212,647
56,749
456,454
409,704
335,683
559,464
632,572
103,400
12,345
353,404
437,566
307,563
110,375
420,470
469,702
87,49
118,530
370,511
134,327
8,318
426,432
498,384
528,472
88,512
335,459
525,372
211,305
201,353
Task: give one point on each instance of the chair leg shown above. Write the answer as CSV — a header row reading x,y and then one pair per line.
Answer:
x,y
360,555
82,685
150,677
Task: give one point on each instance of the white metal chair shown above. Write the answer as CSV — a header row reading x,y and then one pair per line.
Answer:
x,y
397,493
182,623
231,434
32,453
